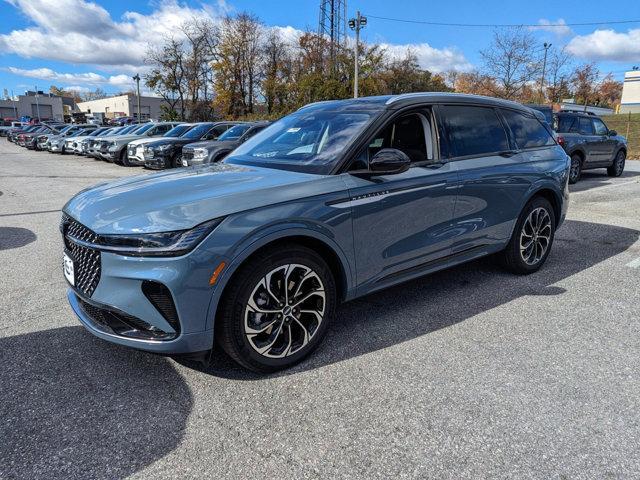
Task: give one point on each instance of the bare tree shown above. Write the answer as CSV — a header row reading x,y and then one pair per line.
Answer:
x,y
584,82
512,61
559,75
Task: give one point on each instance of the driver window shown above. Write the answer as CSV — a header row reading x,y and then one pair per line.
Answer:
x,y
412,133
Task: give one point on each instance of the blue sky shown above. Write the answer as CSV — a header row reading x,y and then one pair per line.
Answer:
x,y
84,45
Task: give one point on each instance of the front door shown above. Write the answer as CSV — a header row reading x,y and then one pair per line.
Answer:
x,y
402,221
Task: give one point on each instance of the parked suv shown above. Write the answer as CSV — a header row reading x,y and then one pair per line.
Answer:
x,y
590,144
167,152
215,150
135,148
335,201
117,151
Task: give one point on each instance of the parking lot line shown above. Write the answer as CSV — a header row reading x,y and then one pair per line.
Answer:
x,y
634,263
605,186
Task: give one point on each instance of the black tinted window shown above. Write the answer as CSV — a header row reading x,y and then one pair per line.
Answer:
x,y
528,132
584,126
564,123
474,130
599,127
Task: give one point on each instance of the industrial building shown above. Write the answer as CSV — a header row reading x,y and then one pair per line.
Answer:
x,y
630,102
125,105
40,105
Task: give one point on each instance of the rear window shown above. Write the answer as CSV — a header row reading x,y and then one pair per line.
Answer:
x,y
474,130
528,132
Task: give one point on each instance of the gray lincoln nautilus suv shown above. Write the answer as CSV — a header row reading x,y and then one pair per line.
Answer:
x,y
335,201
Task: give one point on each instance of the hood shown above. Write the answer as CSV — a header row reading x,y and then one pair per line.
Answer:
x,y
214,144
182,198
170,140
145,140
126,137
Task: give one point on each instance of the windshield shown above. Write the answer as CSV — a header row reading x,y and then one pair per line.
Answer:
x,y
198,130
144,128
234,132
178,130
305,141
128,129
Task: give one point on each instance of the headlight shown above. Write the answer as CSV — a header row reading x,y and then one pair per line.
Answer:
x,y
163,244
113,143
163,148
200,153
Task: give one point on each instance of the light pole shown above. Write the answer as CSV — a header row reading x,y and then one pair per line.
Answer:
x,y
137,79
544,67
37,104
356,24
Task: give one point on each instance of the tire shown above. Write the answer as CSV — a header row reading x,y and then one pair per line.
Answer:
x,y
282,339
219,157
538,222
124,158
176,161
576,168
616,169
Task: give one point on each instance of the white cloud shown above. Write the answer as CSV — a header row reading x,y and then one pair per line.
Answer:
x,y
430,58
558,27
82,32
88,77
607,45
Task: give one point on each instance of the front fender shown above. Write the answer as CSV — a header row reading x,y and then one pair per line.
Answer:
x,y
269,234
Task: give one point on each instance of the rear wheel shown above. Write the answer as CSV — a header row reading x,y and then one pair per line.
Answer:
x,y
576,168
617,168
276,309
532,237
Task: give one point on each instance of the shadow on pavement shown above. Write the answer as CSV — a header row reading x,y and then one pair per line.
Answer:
x,y
73,406
15,237
598,178
445,298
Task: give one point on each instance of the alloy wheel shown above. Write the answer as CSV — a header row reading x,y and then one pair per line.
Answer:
x,y
575,169
535,236
619,163
284,311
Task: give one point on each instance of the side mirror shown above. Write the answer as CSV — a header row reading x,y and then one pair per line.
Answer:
x,y
612,133
389,161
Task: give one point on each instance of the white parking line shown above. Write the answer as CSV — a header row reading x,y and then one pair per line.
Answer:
x,y
634,263
605,186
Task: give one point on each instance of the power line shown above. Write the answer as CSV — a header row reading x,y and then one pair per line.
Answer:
x,y
500,25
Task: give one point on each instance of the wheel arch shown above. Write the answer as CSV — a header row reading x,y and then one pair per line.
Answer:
x,y
580,153
330,253
551,195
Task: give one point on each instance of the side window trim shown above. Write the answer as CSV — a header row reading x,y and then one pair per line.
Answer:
x,y
512,137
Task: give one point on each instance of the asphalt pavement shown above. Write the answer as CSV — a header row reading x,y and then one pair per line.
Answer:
x,y
468,373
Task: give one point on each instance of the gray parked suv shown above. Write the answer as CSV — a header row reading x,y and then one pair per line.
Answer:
x,y
335,201
590,144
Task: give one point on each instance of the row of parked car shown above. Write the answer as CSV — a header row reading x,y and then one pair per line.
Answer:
x,y
155,145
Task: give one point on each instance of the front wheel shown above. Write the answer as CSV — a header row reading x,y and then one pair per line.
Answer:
x,y
276,309
617,168
532,237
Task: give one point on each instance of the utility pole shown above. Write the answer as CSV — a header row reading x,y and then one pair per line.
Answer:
x,y
137,79
544,68
356,24
15,105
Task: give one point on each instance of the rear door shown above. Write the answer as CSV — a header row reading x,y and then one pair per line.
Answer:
x,y
605,144
493,177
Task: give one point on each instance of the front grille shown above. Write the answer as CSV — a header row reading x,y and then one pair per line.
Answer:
x,y
104,147
121,323
86,261
187,154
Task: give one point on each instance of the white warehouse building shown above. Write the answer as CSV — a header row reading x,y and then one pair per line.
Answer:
x,y
125,106
630,102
